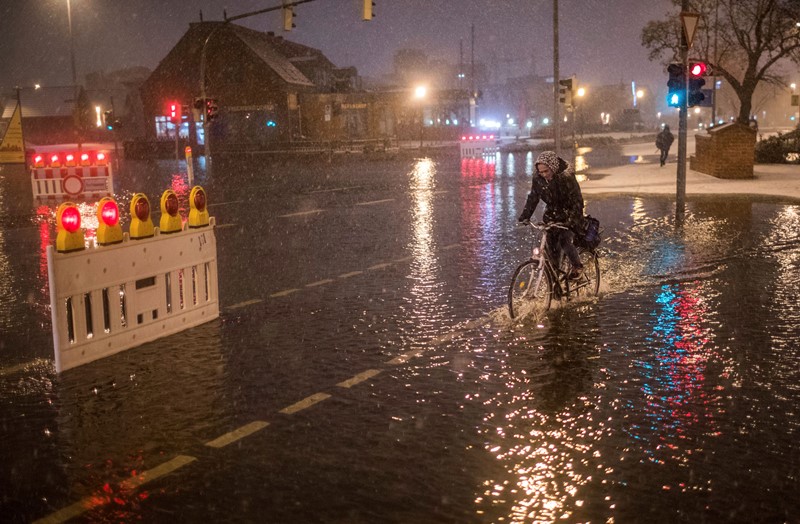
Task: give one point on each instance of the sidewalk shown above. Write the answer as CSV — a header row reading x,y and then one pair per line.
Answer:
x,y
776,180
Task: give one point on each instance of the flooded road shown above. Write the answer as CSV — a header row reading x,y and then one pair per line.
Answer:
x,y
364,368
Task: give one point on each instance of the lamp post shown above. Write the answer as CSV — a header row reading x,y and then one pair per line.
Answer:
x,y
203,108
76,109
420,92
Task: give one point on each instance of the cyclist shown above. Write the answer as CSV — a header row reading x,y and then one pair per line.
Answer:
x,y
554,183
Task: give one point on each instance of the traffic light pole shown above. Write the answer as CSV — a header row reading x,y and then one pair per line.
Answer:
x,y
206,126
680,193
556,103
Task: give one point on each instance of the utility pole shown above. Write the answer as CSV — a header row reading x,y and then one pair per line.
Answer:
x,y
556,106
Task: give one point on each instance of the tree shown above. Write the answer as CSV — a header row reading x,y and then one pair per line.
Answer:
x,y
743,41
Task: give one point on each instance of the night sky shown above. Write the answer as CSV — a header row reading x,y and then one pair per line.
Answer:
x,y
600,39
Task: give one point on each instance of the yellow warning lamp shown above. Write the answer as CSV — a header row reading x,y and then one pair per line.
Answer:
x,y
141,224
198,212
170,219
108,229
68,226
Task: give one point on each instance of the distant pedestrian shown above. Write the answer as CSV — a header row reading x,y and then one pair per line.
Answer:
x,y
663,142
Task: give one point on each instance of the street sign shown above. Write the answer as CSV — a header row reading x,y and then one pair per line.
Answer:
x,y
689,21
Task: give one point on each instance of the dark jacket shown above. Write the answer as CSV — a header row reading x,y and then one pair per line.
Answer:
x,y
562,195
664,139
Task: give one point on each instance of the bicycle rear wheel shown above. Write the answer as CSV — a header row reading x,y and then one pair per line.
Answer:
x,y
588,285
531,290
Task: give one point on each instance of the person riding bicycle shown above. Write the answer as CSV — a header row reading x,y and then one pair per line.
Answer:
x,y
554,183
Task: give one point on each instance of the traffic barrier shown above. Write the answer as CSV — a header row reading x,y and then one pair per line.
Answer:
x,y
60,177
477,146
117,295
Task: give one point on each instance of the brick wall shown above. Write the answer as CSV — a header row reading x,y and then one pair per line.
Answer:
x,y
727,151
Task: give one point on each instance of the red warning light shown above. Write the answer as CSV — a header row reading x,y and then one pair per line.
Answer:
x,y
101,157
172,205
110,213
142,209
38,161
54,161
71,219
200,200
84,159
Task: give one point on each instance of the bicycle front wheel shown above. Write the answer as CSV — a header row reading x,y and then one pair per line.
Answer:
x,y
531,290
588,285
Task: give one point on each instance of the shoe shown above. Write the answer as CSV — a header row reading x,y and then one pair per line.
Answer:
x,y
576,273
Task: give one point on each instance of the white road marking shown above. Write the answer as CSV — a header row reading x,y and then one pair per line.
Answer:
x,y
301,213
347,275
405,259
305,403
87,503
451,246
405,357
332,190
20,367
223,226
361,377
225,203
379,266
236,434
245,303
284,292
375,202
319,283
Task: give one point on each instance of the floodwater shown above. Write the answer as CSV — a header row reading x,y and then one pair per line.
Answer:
x,y
672,397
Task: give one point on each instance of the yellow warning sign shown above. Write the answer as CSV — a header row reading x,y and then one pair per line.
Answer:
x,y
12,147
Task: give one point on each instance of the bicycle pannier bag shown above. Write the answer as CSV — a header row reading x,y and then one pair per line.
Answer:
x,y
591,236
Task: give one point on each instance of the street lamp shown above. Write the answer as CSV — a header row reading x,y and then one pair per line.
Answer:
x,y
420,92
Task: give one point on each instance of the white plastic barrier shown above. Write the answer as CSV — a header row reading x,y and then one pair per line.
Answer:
x,y
108,299
71,183
477,146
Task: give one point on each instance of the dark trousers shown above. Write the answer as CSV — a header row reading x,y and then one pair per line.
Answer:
x,y
564,240
664,154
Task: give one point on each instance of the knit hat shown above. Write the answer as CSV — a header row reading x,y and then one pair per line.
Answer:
x,y
548,158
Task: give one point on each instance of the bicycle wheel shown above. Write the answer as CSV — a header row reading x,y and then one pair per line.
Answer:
x,y
531,289
588,284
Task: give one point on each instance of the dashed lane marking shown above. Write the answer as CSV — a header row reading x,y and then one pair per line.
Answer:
x,y
284,292
405,357
334,189
245,303
320,282
361,377
301,213
451,246
347,275
379,266
215,204
371,202
223,226
305,403
404,259
236,434
88,503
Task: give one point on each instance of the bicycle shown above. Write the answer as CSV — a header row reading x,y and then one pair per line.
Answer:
x,y
545,275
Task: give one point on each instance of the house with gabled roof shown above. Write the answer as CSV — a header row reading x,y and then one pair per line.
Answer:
x,y
259,81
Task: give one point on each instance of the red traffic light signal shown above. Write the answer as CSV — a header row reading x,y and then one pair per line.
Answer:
x,y
174,111
697,69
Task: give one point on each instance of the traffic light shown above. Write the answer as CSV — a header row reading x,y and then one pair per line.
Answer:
x,y
696,82
565,87
676,85
108,119
211,109
288,17
369,7
174,111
